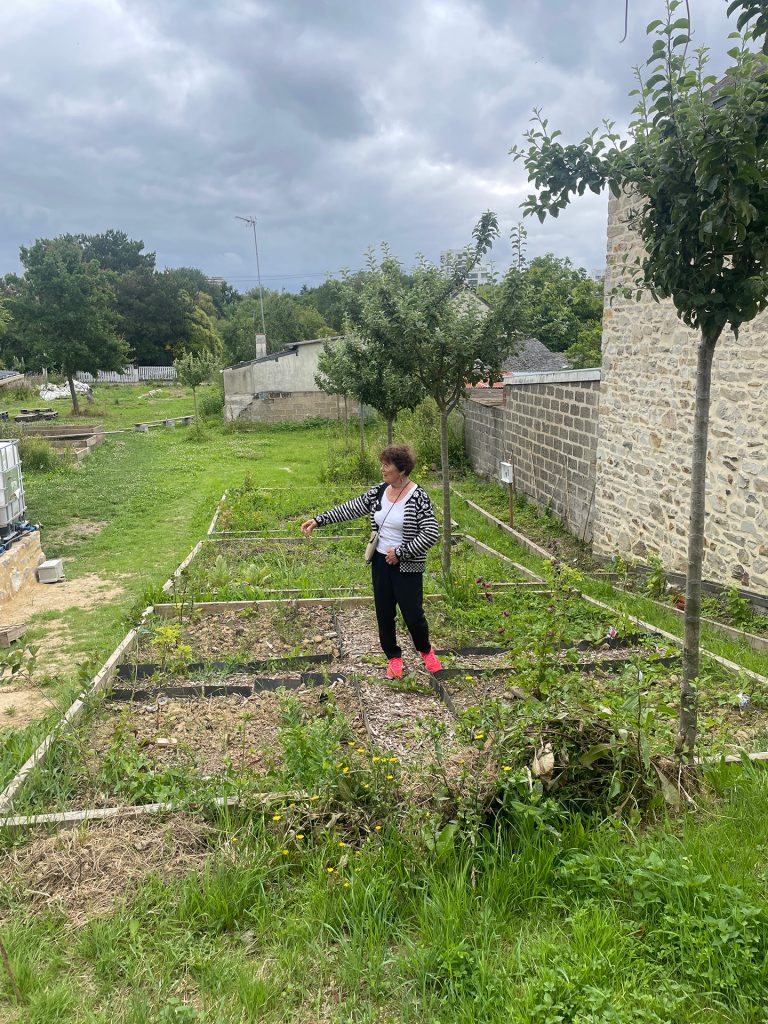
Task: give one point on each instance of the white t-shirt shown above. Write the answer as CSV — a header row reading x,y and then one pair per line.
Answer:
x,y
391,515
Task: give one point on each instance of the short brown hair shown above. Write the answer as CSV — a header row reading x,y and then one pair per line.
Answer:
x,y
399,455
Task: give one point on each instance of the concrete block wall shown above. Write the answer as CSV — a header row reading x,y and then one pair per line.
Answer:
x,y
294,406
545,425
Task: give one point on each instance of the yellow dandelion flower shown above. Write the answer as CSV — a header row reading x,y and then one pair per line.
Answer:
x,y
393,760
460,762
234,839
300,835
344,770
506,767
342,844
329,870
375,759
346,885
360,750
366,786
315,797
468,678
350,743
479,735
390,776
378,828
285,853
275,817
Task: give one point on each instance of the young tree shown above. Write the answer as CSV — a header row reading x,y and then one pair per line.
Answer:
x,y
358,369
65,307
696,165
194,370
437,334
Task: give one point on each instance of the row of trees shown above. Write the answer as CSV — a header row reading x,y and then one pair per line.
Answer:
x,y
86,301
95,301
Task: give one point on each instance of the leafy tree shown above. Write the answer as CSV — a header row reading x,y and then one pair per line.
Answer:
x,y
65,308
431,329
696,164
114,250
355,368
193,370
152,314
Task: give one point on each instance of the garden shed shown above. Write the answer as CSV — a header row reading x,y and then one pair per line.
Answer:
x,y
279,386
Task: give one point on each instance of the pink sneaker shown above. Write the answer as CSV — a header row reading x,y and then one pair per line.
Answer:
x,y
431,660
395,668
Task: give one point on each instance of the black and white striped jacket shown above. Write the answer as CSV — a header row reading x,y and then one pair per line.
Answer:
x,y
420,529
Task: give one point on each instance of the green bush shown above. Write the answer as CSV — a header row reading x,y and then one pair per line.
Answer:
x,y
21,392
211,403
38,456
421,429
349,466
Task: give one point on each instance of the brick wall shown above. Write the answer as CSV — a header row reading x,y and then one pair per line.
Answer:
x,y
545,425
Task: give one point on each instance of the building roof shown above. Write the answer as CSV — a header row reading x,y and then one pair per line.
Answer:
x,y
532,357
289,350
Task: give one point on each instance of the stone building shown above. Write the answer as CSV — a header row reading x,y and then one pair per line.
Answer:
x,y
279,386
645,431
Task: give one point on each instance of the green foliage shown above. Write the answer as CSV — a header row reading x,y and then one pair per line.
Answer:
x,y
656,578
64,306
697,167
39,456
345,465
421,428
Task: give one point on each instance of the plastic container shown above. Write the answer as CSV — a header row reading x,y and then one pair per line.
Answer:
x,y
12,504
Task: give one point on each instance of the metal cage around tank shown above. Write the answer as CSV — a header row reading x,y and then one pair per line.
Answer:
x,y
12,504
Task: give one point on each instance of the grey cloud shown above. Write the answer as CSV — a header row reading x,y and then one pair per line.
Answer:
x,y
338,124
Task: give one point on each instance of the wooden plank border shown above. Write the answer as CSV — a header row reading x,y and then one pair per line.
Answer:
x,y
71,819
167,611
102,678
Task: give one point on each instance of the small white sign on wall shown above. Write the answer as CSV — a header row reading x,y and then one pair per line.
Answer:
x,y
505,472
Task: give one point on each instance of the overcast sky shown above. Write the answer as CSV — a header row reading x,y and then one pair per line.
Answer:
x,y
337,123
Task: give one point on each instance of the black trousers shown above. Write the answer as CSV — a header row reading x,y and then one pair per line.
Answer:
x,y
393,589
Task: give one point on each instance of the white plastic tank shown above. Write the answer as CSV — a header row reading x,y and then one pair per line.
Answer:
x,y
12,505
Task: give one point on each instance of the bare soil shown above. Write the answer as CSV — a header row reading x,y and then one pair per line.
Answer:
x,y
84,592
258,633
21,705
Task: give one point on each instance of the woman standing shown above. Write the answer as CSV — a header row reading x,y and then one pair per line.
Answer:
x,y
402,514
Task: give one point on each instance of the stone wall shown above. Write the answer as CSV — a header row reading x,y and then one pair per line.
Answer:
x,y
646,423
277,407
17,566
545,425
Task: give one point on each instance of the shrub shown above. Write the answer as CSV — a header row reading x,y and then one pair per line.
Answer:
x,y
345,466
421,429
21,392
38,456
211,403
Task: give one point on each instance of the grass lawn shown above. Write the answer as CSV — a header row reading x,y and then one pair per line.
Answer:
x,y
352,911
114,406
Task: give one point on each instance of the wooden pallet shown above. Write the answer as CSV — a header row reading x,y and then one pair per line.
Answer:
x,y
10,633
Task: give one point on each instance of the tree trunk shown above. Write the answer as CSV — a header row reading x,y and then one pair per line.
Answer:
x,y
197,421
446,491
390,422
73,393
686,735
362,432
346,419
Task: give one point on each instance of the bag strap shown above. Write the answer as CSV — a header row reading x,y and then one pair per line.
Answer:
x,y
382,489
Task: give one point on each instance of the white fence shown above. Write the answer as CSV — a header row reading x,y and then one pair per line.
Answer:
x,y
130,375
